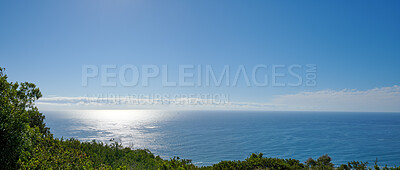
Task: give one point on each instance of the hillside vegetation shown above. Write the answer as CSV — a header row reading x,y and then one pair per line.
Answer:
x,y
26,143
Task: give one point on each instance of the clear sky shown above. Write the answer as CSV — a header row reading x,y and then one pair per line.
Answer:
x,y
354,44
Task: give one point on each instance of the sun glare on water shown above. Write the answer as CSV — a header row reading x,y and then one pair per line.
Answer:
x,y
133,128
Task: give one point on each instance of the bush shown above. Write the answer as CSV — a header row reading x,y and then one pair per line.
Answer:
x,y
21,124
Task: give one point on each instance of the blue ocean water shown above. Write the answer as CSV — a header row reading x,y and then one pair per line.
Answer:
x,y
208,137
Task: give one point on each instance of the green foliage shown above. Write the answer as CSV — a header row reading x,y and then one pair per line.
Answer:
x,y
114,155
73,154
21,124
26,143
355,165
258,162
53,153
176,163
323,162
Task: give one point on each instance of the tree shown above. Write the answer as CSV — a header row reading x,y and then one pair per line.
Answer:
x,y
311,162
21,124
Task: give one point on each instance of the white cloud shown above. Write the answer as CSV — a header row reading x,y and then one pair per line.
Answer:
x,y
384,99
133,102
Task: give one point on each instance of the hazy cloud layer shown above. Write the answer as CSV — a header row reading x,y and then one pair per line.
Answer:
x,y
384,99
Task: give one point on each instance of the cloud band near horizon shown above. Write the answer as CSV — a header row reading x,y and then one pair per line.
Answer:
x,y
382,99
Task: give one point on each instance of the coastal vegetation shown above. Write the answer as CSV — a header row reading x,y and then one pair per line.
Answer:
x,y
26,143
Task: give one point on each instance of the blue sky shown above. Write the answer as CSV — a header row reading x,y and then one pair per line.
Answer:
x,y
355,45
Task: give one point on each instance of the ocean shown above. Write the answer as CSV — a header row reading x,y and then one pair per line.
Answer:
x,y
207,137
